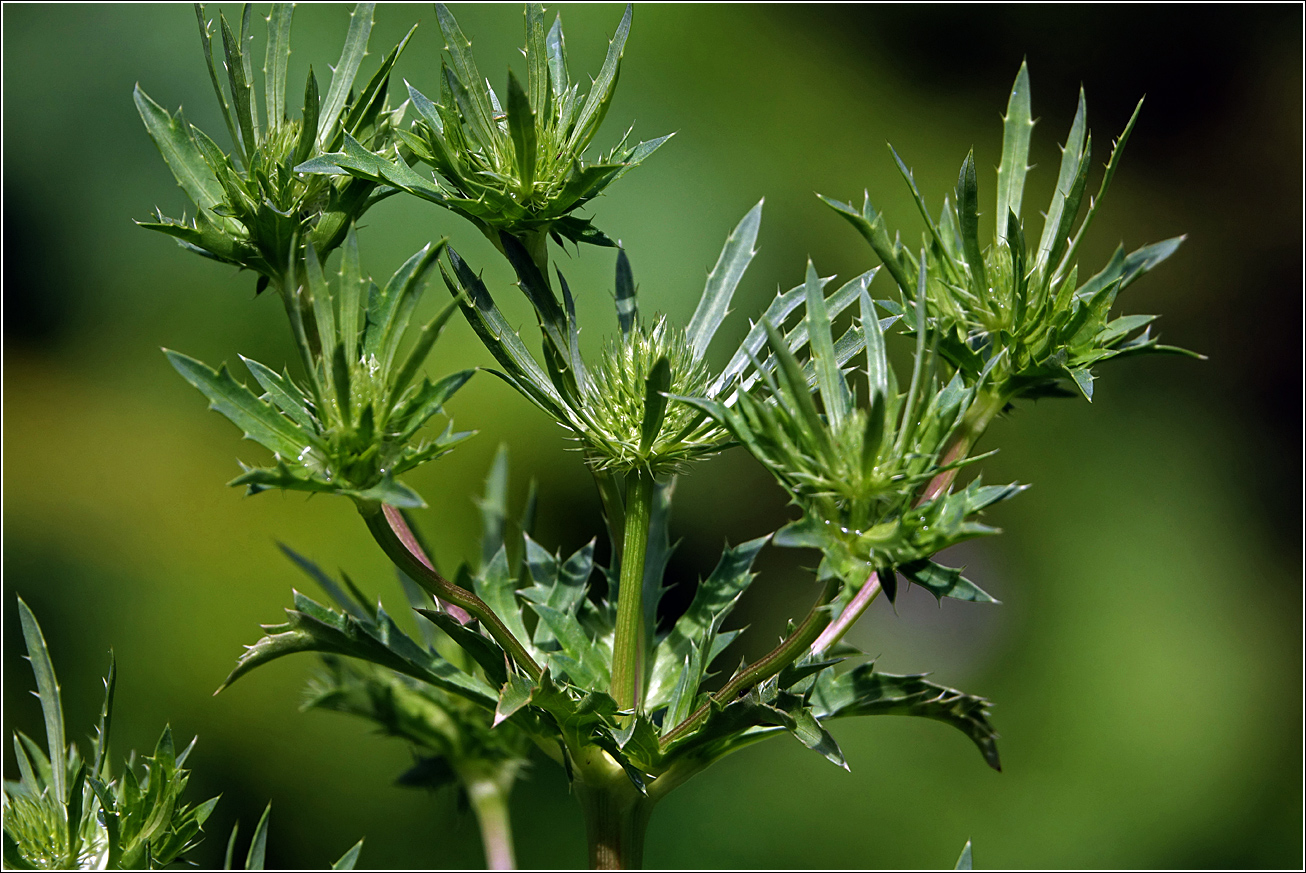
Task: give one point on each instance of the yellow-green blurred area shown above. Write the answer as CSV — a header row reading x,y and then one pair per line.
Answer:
x,y
1146,660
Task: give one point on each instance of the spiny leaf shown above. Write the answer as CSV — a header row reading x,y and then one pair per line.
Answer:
x,y
172,137
1016,127
259,421
47,687
734,259
277,62
862,691
346,69
514,694
944,581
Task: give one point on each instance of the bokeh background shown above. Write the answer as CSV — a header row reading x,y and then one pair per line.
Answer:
x,y
1146,661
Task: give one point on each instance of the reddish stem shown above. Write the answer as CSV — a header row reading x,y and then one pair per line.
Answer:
x,y
395,518
853,611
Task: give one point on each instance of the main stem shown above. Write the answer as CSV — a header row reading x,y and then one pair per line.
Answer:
x,y
628,644
616,814
488,797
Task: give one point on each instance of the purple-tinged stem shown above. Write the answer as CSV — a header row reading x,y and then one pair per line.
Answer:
x,y
409,539
853,611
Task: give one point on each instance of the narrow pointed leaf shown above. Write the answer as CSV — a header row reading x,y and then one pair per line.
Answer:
x,y
259,845
829,378
349,859
276,66
47,687
345,71
1016,127
734,259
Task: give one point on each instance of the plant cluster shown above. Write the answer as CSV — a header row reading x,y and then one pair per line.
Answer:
x,y
532,649
67,812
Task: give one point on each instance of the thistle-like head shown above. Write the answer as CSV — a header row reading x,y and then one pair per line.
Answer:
x,y
350,426
517,165
250,205
1015,311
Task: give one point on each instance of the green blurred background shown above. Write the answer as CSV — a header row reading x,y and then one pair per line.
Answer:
x,y
1146,662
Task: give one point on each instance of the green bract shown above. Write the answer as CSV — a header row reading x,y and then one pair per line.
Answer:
x,y
1015,309
857,471
518,167
350,427
250,208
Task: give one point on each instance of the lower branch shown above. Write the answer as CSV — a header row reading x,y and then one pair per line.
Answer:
x,y
488,797
391,542
789,651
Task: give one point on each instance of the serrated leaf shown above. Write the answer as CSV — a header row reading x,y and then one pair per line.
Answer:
x,y
862,691
736,255
514,694
943,581
1016,127
172,137
47,687
258,420
601,91
345,70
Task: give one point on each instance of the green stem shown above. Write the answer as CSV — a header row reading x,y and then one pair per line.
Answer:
x,y
380,526
789,650
616,814
628,644
488,797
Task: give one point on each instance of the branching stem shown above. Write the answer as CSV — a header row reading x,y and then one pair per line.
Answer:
x,y
789,650
379,523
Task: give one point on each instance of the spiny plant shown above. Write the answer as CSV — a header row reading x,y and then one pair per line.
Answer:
x,y
67,812
532,646
252,209
520,170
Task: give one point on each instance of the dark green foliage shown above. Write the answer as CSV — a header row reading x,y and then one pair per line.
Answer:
x,y
350,427
618,409
857,471
66,812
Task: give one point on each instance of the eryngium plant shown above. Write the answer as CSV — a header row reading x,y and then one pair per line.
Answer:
x,y
67,812
855,471
629,709
253,207
519,166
